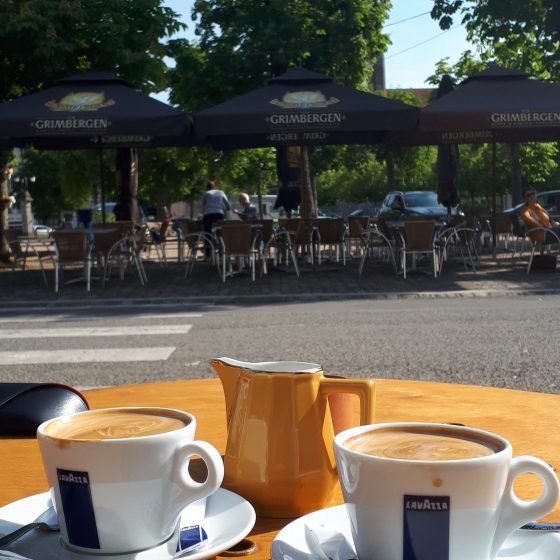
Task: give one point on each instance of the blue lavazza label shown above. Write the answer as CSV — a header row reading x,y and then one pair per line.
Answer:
x,y
426,528
77,504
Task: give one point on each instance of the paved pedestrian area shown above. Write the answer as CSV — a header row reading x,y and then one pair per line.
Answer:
x,y
330,280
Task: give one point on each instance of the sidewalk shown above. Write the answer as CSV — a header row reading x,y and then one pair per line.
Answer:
x,y
328,281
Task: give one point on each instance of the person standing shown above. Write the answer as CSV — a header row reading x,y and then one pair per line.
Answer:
x,y
215,204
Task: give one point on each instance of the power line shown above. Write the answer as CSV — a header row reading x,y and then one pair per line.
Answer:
x,y
423,42
407,19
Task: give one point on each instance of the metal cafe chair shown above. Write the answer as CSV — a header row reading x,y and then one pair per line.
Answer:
x,y
357,233
72,249
238,243
418,239
331,232
24,249
542,240
197,243
459,241
377,242
123,253
304,236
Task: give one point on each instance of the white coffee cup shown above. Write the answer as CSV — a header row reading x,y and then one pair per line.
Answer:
x,y
119,477
451,508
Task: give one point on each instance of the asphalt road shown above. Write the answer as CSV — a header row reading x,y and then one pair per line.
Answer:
x,y
497,341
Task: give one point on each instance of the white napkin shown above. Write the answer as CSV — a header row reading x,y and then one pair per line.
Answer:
x,y
327,543
192,535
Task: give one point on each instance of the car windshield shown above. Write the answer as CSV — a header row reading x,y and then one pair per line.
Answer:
x,y
421,199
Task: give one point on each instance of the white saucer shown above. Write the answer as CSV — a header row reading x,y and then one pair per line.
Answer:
x,y
290,544
228,519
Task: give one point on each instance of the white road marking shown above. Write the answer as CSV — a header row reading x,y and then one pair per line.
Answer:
x,y
112,306
153,354
137,330
76,318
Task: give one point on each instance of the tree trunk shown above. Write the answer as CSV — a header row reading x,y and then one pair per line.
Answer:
x,y
306,208
4,192
127,185
516,179
390,169
314,195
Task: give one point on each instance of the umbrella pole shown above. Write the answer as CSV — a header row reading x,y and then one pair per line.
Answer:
x,y
494,180
259,191
101,181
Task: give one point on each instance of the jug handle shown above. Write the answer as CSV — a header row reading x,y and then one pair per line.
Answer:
x,y
364,389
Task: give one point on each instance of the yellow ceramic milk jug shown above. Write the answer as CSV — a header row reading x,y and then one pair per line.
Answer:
x,y
279,452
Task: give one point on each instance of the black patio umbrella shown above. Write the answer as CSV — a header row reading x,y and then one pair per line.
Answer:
x,y
301,108
496,105
92,110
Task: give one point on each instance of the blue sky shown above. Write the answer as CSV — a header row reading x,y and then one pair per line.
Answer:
x,y
417,43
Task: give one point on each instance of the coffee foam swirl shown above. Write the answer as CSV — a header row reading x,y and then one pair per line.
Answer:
x,y
104,425
401,444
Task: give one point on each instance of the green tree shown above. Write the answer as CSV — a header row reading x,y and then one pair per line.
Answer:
x,y
525,34
241,45
44,40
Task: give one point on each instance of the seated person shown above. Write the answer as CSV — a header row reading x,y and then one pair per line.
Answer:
x,y
535,216
249,212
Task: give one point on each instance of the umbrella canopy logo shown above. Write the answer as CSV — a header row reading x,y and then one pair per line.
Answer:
x,y
525,118
304,100
81,101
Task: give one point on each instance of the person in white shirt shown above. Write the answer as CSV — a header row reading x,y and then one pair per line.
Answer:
x,y
215,204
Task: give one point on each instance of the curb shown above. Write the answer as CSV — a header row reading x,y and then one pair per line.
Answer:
x,y
270,298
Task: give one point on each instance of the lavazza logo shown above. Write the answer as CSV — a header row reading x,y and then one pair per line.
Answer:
x,y
73,477
426,503
525,118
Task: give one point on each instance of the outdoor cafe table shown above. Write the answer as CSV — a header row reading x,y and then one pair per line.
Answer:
x,y
529,420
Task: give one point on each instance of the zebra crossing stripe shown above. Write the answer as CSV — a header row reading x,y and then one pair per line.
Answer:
x,y
151,354
135,330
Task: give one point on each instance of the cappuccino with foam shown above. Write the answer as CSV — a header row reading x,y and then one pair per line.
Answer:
x,y
113,424
415,444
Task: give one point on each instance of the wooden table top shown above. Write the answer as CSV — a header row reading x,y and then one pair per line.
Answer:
x,y
528,420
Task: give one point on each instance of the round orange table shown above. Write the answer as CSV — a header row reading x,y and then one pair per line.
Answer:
x,y
529,420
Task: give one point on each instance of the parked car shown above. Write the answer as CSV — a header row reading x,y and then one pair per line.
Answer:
x,y
110,210
42,231
14,218
549,200
399,205
370,212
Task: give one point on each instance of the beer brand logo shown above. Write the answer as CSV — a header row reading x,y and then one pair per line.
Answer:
x,y
81,101
304,100
525,119
467,136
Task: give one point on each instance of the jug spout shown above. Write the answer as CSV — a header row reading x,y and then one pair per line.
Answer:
x,y
228,371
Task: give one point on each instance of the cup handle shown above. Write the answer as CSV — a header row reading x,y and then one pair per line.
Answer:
x,y
516,512
214,465
363,388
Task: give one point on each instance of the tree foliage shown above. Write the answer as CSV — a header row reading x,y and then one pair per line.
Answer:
x,y
44,40
525,34
242,44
